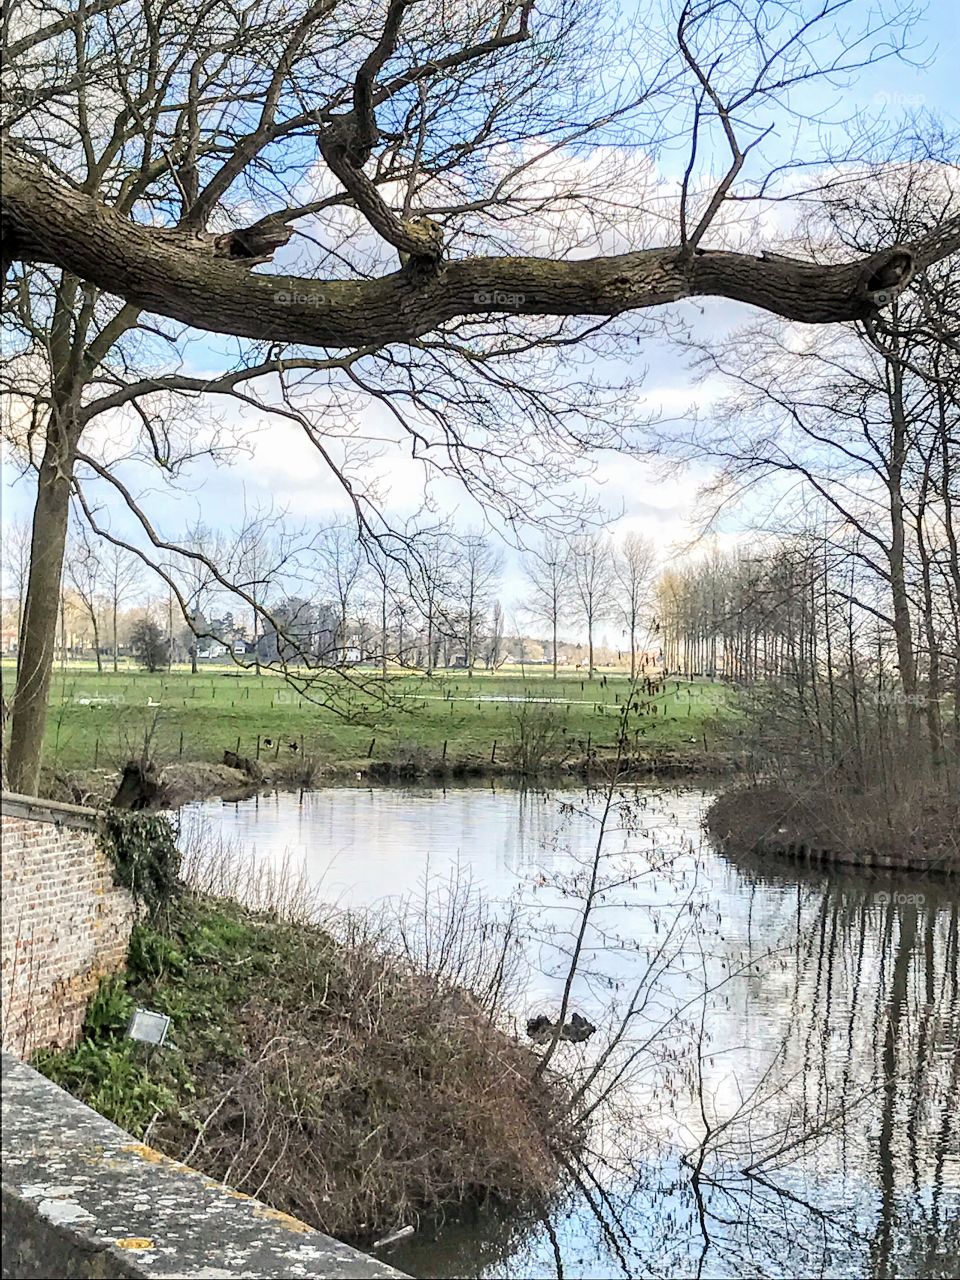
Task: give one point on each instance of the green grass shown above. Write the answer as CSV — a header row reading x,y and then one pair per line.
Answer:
x,y
199,717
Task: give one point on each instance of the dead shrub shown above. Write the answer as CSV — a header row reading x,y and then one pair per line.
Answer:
x,y
537,737
353,1070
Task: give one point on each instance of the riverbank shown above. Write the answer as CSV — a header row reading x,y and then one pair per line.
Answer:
x,y
811,823
184,781
347,1085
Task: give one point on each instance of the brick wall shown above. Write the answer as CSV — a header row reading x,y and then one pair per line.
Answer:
x,y
65,923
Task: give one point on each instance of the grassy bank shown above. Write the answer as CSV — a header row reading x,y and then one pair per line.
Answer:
x,y
102,720
338,1082
826,821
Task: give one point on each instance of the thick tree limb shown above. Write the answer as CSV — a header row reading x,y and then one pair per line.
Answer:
x,y
176,274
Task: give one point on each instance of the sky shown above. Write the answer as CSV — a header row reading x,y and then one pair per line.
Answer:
x,y
280,469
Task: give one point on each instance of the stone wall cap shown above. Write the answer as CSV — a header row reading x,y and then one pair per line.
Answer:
x,y
38,809
74,1181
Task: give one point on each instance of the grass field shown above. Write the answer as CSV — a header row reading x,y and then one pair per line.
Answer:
x,y
101,720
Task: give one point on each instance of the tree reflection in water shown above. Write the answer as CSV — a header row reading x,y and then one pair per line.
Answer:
x,y
786,1100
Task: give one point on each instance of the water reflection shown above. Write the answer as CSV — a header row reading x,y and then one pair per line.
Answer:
x,y
794,1112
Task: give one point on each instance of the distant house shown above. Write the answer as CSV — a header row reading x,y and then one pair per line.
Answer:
x,y
211,650
305,633
344,656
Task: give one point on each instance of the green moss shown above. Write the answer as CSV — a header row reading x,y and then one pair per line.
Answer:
x,y
202,963
199,962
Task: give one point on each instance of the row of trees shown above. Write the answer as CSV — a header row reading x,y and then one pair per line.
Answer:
x,y
848,445
155,153
328,598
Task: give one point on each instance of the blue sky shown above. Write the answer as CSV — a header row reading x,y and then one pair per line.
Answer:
x,y
285,472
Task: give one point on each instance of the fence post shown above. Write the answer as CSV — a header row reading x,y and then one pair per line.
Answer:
x,y
493,751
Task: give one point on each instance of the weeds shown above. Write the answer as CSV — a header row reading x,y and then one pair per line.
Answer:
x,y
537,736
338,1068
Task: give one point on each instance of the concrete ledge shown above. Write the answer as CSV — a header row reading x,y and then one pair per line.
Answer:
x,y
13,805
81,1198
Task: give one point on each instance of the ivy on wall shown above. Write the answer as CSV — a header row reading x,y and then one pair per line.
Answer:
x,y
143,850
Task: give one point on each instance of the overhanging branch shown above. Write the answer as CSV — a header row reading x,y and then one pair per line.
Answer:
x,y
178,274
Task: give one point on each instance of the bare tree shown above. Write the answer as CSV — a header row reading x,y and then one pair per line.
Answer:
x,y
120,576
342,560
633,568
719,56
85,574
495,636
155,155
860,421
593,575
550,590
383,572
197,585
257,556
16,567
480,565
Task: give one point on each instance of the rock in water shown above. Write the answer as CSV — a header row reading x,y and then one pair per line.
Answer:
x,y
541,1030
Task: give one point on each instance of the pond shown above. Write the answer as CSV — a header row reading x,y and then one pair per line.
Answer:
x,y
787,1070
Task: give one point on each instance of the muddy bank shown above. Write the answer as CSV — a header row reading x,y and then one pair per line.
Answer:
x,y
183,781
665,764
177,783
811,825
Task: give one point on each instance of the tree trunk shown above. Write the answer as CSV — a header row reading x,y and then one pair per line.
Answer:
x,y
20,607
255,630
96,642
383,630
170,632
40,613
